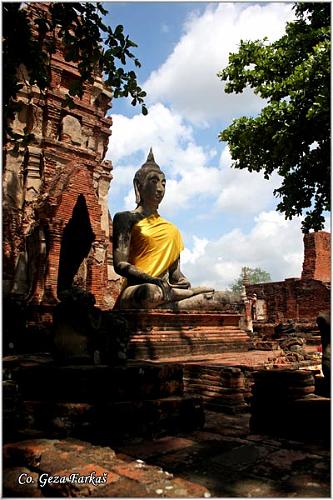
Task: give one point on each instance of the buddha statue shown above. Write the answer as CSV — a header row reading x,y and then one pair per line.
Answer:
x,y
146,247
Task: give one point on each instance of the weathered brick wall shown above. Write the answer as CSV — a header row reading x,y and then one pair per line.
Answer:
x,y
300,299
294,299
42,183
317,256
78,181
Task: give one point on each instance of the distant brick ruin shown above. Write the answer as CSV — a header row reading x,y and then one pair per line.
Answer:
x,y
299,299
56,224
317,256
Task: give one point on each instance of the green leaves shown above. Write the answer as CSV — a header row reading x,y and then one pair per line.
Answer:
x,y
81,30
293,75
256,275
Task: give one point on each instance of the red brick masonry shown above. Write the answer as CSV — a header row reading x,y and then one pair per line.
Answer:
x,y
42,459
317,256
300,299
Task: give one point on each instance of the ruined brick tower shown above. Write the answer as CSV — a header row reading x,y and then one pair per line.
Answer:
x,y
56,224
317,256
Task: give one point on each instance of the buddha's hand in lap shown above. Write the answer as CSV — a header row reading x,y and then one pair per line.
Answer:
x,y
182,286
156,281
202,289
182,283
163,285
173,292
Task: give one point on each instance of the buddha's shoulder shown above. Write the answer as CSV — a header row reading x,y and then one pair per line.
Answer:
x,y
127,218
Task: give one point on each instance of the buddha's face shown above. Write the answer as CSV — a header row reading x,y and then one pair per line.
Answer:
x,y
152,189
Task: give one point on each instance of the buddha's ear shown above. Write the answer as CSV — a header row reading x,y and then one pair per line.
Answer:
x,y
137,191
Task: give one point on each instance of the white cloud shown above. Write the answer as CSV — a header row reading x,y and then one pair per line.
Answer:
x,y
198,250
188,83
161,128
185,163
127,173
187,80
193,184
130,200
244,191
199,182
273,244
192,171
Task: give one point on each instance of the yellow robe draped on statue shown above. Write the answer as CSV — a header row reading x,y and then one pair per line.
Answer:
x,y
155,244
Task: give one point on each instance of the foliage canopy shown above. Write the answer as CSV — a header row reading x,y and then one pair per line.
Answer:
x,y
256,275
291,135
87,41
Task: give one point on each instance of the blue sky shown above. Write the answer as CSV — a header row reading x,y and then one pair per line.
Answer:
x,y
227,217
154,26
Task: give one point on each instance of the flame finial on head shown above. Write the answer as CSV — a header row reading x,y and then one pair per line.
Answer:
x,y
150,160
150,157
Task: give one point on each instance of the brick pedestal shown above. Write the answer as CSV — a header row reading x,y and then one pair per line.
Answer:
x,y
100,403
160,333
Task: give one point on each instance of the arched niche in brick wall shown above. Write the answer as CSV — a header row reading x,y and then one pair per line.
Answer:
x,y
71,181
76,242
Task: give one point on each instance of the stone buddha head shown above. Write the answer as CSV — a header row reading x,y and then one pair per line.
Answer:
x,y
149,182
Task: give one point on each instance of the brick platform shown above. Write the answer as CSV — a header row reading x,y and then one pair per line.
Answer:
x,y
97,402
224,381
158,334
89,383
225,459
